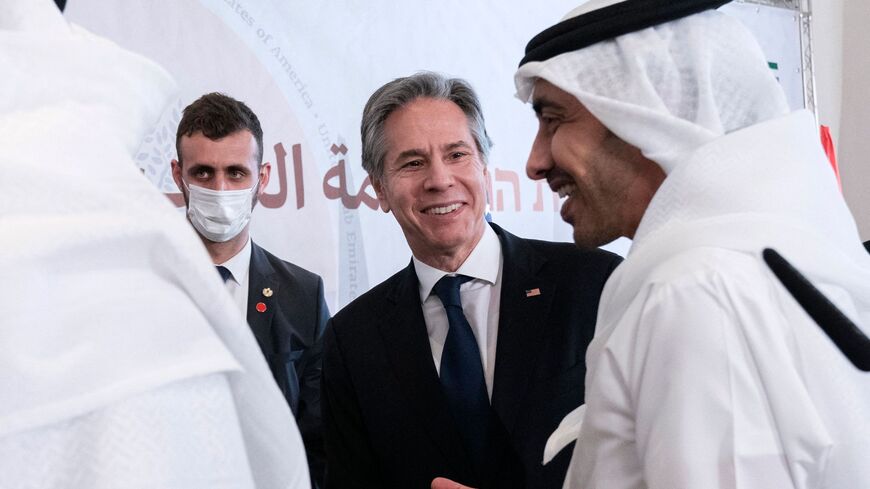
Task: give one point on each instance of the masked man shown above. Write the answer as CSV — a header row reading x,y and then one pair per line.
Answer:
x,y
221,173
666,125
460,364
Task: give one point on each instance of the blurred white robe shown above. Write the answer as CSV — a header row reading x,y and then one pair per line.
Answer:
x,y
123,361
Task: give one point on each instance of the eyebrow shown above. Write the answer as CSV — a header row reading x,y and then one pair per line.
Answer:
x,y
456,145
410,152
239,167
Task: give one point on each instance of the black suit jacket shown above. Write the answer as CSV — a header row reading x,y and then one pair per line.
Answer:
x,y
386,420
290,334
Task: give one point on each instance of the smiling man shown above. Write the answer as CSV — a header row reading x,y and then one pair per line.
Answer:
x,y
608,182
221,173
662,122
464,362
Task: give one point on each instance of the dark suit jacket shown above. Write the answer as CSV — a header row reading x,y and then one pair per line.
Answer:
x,y
290,334
386,420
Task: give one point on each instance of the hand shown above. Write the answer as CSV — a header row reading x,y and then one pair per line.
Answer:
x,y
442,483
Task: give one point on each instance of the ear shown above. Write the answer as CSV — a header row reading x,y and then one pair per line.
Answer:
x,y
176,175
265,172
378,185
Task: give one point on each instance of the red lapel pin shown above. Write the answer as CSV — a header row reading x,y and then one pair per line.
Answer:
x,y
261,307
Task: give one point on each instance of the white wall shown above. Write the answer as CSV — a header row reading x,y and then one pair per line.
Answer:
x,y
841,43
854,137
827,35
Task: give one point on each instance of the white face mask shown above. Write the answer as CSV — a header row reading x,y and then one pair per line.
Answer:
x,y
219,215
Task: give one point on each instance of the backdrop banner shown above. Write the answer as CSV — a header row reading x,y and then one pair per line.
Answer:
x,y
307,69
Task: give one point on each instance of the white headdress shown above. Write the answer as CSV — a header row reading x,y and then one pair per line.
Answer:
x,y
669,88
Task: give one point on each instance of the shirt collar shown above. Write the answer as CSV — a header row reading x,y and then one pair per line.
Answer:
x,y
240,263
482,264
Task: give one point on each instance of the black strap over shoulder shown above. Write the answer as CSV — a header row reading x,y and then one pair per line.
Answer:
x,y
609,22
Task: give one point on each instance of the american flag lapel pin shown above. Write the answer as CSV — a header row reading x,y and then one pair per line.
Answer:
x,y
533,292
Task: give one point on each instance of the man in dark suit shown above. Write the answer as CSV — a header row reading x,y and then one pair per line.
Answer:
x,y
463,363
220,171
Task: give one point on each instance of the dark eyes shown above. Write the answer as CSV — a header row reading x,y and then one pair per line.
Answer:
x,y
204,174
548,121
419,163
548,118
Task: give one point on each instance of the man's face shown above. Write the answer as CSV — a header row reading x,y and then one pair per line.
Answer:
x,y
434,180
229,163
607,181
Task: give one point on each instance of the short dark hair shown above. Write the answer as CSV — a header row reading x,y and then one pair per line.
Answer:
x,y
402,91
217,115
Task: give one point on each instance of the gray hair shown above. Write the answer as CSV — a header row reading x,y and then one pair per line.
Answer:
x,y
402,91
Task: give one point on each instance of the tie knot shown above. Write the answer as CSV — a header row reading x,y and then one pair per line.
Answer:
x,y
225,272
447,289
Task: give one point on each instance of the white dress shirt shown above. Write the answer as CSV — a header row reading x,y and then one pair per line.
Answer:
x,y
237,285
481,298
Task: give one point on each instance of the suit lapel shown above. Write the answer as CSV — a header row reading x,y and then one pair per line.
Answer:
x,y
525,306
262,290
404,333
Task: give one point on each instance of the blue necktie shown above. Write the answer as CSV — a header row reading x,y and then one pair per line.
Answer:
x,y
225,272
462,373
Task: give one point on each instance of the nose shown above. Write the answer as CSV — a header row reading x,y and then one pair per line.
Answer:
x,y
540,160
439,176
220,182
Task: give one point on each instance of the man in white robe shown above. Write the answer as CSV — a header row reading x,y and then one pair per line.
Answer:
x,y
123,361
704,372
